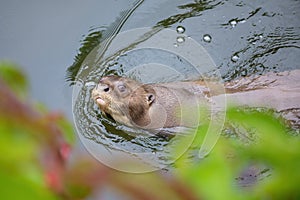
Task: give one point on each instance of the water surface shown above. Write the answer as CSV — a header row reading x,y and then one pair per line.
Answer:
x,y
242,39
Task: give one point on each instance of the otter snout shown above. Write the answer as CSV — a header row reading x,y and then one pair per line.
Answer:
x,y
102,88
99,92
97,97
106,83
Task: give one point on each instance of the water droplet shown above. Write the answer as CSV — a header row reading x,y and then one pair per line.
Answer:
x,y
233,23
180,29
235,58
175,45
207,38
180,39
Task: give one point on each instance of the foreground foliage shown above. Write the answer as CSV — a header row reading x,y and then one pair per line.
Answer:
x,y
37,159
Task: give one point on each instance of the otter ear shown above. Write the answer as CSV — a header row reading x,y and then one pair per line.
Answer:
x,y
150,98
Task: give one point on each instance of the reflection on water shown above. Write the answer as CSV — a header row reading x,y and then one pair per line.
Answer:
x,y
243,38
189,10
95,37
263,47
263,34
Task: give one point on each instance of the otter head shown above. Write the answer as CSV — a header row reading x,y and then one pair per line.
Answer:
x,y
125,100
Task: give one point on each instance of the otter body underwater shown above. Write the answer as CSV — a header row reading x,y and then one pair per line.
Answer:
x,y
163,105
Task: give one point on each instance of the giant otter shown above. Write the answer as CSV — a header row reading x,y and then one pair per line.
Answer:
x,y
148,106
152,106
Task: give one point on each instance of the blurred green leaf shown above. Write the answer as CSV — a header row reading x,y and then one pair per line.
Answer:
x,y
215,177
67,130
26,135
14,78
276,148
20,176
13,186
15,144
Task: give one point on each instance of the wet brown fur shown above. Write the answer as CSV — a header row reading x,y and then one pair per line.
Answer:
x,y
142,105
138,105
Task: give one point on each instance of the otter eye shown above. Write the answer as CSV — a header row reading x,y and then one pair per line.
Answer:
x,y
122,88
106,89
